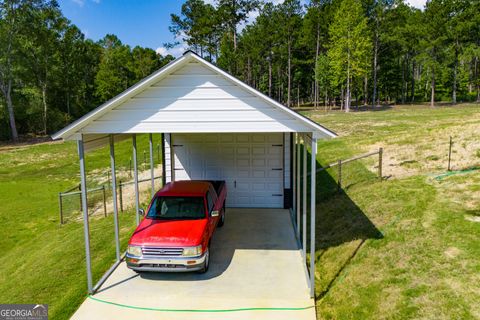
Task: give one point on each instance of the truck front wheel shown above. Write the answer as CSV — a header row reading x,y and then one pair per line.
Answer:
x,y
206,263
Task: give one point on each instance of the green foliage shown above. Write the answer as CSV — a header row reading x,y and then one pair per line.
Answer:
x,y
50,74
323,74
350,45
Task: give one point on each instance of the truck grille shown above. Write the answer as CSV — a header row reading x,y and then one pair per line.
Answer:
x,y
162,252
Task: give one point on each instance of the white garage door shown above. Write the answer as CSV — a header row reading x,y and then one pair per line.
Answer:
x,y
251,164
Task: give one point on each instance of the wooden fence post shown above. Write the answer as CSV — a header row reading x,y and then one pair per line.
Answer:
x,y
450,153
104,201
130,167
60,206
121,196
380,163
339,185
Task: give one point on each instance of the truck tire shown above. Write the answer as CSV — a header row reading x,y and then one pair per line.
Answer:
x,y
221,222
207,261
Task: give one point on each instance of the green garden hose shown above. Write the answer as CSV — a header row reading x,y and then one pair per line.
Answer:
x,y
199,310
451,173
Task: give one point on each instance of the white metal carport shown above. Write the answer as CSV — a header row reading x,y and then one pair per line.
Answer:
x,y
209,111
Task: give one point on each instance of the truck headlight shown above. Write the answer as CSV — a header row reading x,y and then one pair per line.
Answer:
x,y
134,251
192,251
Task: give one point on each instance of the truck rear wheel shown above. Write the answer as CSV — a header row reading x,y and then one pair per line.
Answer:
x,y
222,217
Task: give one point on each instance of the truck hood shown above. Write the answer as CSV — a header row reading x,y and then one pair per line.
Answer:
x,y
170,233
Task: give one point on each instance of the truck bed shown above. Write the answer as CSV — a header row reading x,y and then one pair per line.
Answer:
x,y
218,185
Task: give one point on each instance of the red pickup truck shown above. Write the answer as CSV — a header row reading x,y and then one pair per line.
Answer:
x,y
176,231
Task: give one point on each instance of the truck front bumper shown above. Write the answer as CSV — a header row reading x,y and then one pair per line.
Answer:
x,y
165,264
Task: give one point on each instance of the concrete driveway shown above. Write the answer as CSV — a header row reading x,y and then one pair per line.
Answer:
x,y
255,264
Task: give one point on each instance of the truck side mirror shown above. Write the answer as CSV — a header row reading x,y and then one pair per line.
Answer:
x,y
141,212
215,213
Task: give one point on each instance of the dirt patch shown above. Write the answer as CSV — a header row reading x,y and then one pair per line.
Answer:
x,y
452,252
412,155
473,218
128,195
27,142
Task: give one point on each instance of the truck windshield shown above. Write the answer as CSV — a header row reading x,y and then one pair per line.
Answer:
x,y
178,208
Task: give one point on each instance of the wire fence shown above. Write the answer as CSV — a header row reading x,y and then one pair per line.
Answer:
x,y
343,173
98,199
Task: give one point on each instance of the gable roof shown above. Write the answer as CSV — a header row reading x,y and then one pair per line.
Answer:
x,y
187,88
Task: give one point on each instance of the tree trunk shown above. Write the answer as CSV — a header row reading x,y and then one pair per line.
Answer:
x,y
45,109
270,78
455,65
11,113
404,89
289,86
341,98
375,63
326,99
432,101
347,97
249,71
234,38
412,98
365,91
298,95
317,51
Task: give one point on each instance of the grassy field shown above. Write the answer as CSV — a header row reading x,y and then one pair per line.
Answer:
x,y
43,261
406,247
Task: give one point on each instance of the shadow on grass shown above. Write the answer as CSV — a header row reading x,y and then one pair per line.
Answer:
x,y
339,219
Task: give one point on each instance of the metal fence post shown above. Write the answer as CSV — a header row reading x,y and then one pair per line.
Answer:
x,y
104,201
61,207
339,184
380,163
108,178
121,195
80,196
449,153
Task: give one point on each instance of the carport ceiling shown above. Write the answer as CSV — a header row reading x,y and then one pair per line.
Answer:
x,y
189,95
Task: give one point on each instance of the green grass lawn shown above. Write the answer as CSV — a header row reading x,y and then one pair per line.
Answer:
x,y
406,247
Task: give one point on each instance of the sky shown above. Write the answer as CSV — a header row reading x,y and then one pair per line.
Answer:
x,y
135,22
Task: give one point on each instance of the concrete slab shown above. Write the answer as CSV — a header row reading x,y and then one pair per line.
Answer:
x,y
255,263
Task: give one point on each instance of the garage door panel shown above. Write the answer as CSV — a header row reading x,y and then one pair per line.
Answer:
x,y
258,150
258,174
275,163
275,174
242,138
251,165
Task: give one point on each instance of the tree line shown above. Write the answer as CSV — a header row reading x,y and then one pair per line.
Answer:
x,y
327,53
50,74
342,52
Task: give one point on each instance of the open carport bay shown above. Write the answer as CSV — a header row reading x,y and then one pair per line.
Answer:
x,y
255,263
